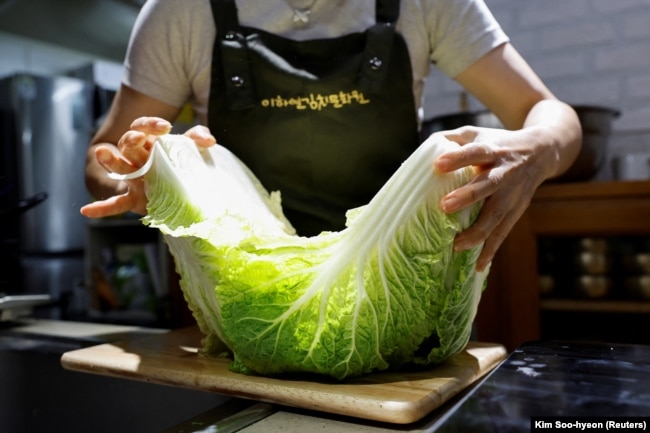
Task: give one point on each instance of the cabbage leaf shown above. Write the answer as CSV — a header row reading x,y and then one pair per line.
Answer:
x,y
388,291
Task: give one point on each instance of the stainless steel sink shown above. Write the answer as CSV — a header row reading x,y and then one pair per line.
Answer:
x,y
38,395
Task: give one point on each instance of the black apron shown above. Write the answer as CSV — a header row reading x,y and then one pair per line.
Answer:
x,y
325,121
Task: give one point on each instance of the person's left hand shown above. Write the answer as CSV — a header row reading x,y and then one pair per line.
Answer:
x,y
510,166
131,153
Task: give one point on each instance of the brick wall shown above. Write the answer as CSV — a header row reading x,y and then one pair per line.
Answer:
x,y
594,52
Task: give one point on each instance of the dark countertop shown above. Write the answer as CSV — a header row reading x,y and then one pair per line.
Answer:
x,y
38,395
554,379
551,379
538,379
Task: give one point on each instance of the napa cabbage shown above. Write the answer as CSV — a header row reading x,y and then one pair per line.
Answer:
x,y
388,291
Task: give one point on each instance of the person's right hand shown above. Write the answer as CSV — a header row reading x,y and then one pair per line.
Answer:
x,y
131,153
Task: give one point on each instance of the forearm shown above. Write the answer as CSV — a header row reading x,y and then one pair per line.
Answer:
x,y
555,127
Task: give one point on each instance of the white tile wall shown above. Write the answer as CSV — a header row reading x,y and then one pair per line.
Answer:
x,y
588,52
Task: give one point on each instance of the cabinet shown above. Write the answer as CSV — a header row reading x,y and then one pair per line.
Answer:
x,y
127,273
512,311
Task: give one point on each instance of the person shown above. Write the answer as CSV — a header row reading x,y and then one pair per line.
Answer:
x,y
322,100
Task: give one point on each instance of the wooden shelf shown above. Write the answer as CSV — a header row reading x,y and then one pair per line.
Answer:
x,y
593,190
592,208
511,307
596,306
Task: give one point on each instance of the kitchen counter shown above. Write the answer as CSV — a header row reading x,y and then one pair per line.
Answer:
x,y
554,379
38,395
537,379
394,397
549,379
245,416
83,332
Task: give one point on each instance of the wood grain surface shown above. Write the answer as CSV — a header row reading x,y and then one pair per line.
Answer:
x,y
397,397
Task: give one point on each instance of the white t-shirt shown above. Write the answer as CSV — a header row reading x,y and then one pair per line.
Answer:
x,y
170,52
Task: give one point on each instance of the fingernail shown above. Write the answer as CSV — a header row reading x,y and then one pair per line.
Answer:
x,y
162,125
442,163
203,133
482,264
461,245
103,157
449,204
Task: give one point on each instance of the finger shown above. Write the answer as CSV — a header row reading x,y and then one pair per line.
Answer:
x,y
472,154
462,135
494,242
135,147
151,125
489,250
111,159
490,229
115,205
201,136
490,217
482,186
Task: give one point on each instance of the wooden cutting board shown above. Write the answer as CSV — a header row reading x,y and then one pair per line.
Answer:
x,y
397,397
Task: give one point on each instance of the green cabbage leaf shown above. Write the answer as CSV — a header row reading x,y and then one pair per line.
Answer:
x,y
388,291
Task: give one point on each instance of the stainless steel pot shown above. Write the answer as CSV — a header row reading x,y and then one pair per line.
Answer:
x,y
596,125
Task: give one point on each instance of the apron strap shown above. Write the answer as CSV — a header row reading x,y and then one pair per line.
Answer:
x,y
234,54
387,11
379,45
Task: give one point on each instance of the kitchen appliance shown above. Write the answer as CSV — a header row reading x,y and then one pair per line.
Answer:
x,y
45,128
